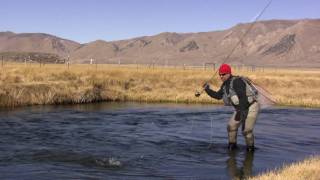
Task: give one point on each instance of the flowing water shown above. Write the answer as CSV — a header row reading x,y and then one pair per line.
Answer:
x,y
147,141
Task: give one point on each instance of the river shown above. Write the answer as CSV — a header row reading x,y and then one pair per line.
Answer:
x,y
148,141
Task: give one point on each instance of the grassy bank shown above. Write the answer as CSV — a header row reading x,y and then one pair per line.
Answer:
x,y
31,84
307,169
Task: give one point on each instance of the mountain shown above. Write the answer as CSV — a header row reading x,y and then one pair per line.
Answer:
x,y
36,42
268,43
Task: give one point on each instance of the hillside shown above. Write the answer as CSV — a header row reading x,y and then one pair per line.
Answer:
x,y
36,42
272,43
269,43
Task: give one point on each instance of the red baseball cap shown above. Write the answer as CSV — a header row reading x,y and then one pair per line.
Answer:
x,y
224,69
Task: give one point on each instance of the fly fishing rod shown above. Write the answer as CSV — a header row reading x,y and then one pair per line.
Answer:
x,y
198,93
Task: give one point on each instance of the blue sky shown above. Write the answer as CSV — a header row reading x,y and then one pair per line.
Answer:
x,y
88,20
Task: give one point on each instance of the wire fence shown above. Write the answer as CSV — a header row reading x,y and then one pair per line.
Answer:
x,y
209,66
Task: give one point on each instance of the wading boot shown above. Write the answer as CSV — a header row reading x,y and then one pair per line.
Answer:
x,y
232,146
250,148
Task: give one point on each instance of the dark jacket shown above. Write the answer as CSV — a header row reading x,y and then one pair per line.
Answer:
x,y
240,88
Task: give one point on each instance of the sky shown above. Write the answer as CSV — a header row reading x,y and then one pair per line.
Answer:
x,y
85,21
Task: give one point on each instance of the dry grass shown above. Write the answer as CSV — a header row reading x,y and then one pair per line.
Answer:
x,y
307,169
55,84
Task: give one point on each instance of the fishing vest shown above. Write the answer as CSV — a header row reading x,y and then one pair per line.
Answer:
x,y
251,91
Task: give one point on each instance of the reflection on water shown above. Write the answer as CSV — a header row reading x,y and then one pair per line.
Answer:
x,y
242,171
147,141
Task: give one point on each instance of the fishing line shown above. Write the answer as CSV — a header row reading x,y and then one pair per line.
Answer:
x,y
211,142
198,93
192,124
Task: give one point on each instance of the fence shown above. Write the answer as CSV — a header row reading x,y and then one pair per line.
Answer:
x,y
95,65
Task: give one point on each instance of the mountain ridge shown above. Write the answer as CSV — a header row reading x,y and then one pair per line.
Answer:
x,y
269,43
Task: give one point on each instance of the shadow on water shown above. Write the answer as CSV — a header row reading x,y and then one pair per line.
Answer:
x,y
147,141
242,171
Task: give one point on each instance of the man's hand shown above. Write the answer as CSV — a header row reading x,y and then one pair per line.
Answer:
x,y
197,94
206,86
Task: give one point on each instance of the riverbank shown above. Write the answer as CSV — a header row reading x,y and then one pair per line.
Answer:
x,y
31,84
307,169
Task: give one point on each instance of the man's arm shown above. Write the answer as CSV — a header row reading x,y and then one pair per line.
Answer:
x,y
212,93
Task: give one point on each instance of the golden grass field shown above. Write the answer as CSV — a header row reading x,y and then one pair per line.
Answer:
x,y
30,84
308,169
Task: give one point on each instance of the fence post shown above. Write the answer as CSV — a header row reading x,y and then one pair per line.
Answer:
x,y
68,61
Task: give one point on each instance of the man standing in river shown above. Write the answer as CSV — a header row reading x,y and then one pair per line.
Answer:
x,y
238,92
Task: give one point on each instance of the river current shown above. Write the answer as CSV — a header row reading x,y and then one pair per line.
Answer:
x,y
148,141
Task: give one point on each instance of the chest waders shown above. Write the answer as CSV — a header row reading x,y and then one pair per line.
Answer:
x,y
230,98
